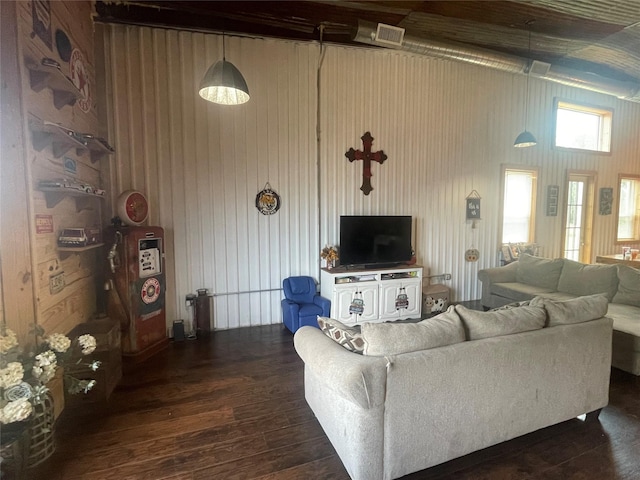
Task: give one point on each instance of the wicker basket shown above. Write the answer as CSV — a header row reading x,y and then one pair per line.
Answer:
x,y
41,434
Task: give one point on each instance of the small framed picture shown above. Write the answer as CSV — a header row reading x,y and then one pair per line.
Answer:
x,y
606,201
552,200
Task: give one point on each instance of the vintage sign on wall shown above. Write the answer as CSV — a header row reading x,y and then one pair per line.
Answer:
x,y
44,223
80,78
41,15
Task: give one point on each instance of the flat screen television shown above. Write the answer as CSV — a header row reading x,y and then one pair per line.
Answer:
x,y
375,240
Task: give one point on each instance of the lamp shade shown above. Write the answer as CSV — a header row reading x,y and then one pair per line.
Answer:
x,y
525,139
224,84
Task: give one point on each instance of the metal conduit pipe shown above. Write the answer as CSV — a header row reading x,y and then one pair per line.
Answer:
x,y
366,33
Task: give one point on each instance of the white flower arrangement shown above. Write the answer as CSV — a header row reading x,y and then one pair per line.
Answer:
x,y
24,375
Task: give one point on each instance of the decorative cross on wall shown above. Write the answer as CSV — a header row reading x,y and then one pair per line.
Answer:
x,y
366,156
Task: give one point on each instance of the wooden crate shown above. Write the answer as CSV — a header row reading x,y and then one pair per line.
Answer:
x,y
108,352
107,378
105,330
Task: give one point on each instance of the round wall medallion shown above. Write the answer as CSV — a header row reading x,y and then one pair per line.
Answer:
x,y
267,201
133,208
63,44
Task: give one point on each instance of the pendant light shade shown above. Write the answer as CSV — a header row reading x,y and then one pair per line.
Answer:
x,y
223,83
526,138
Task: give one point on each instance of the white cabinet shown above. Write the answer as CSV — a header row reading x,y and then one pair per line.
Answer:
x,y
380,295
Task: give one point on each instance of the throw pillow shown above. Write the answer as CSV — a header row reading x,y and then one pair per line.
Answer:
x,y
394,338
576,310
349,337
510,306
539,272
581,279
501,322
628,286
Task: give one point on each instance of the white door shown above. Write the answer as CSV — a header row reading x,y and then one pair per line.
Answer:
x,y
578,214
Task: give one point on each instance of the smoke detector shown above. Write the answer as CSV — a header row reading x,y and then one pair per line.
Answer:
x,y
389,35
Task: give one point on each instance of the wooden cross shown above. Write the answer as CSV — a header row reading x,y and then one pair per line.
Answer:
x,y
367,156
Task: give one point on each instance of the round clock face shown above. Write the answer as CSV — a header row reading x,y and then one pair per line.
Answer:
x,y
133,208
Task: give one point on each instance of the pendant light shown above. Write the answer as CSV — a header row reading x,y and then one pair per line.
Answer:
x,y
526,138
223,83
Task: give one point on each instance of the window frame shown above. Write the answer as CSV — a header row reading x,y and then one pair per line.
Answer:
x,y
606,114
535,171
636,228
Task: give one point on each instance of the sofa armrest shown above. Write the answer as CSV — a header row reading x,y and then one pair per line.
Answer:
x,y
489,276
357,378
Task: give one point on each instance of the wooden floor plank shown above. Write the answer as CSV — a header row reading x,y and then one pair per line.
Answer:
x,y
231,406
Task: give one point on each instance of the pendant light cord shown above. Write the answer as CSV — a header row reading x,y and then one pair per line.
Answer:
x,y
528,23
224,56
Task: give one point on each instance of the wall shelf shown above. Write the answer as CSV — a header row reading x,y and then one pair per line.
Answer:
x,y
60,138
54,195
63,139
48,74
66,251
98,147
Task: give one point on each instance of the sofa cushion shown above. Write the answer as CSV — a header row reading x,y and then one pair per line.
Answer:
x,y
501,322
518,292
626,337
628,286
539,272
349,337
626,318
394,338
576,310
581,279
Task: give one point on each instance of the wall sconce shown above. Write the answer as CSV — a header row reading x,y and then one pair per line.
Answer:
x,y
223,83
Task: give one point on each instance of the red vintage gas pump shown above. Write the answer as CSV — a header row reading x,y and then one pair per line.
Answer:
x,y
137,291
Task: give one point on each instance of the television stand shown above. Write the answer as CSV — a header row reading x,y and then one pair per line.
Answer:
x,y
382,291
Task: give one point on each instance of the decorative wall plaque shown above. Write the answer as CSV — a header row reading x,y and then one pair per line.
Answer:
x,y
267,200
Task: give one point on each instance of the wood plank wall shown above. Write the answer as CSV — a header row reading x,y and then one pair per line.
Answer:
x,y
446,127
16,280
76,303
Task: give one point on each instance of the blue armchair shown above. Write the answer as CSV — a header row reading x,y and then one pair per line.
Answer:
x,y
302,305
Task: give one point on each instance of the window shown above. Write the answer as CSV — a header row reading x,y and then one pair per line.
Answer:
x,y
518,207
628,208
583,127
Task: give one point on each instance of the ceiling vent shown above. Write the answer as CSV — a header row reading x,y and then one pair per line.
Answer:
x,y
539,69
389,35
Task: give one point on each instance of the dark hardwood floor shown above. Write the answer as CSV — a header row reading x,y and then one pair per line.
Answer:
x,y
232,406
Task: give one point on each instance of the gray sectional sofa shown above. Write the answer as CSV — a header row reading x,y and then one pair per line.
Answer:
x,y
562,279
420,394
